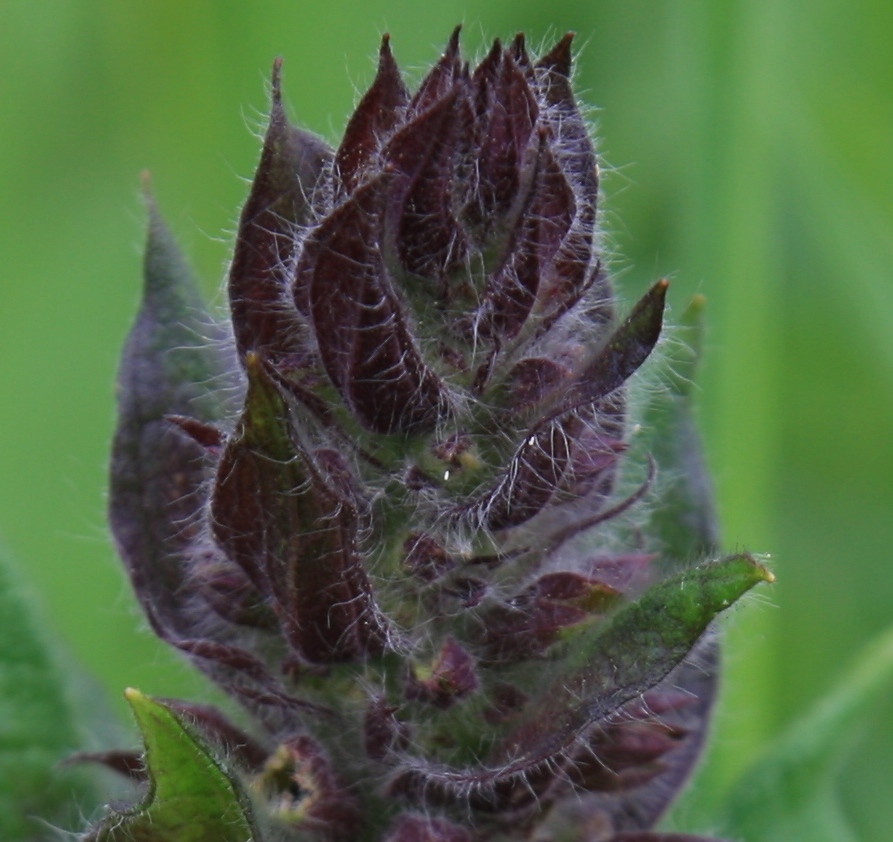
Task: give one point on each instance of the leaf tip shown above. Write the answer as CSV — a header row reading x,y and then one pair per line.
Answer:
x,y
276,81
758,571
133,696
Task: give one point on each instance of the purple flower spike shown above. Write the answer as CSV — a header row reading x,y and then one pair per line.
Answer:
x,y
395,510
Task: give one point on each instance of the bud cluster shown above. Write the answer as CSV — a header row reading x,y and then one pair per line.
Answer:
x,y
372,507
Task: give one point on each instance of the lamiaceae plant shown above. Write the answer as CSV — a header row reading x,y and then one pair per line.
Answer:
x,y
394,507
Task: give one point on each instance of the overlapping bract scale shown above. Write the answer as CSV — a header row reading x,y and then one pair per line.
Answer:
x,y
406,553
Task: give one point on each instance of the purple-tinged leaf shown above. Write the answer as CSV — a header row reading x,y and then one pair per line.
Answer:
x,y
413,149
537,474
241,674
626,349
440,80
575,154
552,202
572,273
485,77
531,480
507,113
233,660
550,462
361,330
293,530
547,263
283,198
173,364
680,707
635,762
424,151
630,746
128,764
379,112
572,278
511,289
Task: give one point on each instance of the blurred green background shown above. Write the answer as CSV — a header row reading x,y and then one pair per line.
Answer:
x,y
749,144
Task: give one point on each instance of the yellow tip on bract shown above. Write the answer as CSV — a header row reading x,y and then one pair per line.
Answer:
x,y
133,695
765,574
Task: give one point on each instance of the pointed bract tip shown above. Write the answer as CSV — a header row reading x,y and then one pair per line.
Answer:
x,y
657,293
758,572
149,195
277,80
518,48
149,199
387,64
559,59
453,44
132,695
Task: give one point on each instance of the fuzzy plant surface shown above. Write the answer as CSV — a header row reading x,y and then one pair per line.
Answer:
x,y
395,507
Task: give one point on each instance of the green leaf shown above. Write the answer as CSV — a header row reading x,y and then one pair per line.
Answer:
x,y
608,663
790,793
604,665
192,796
37,724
